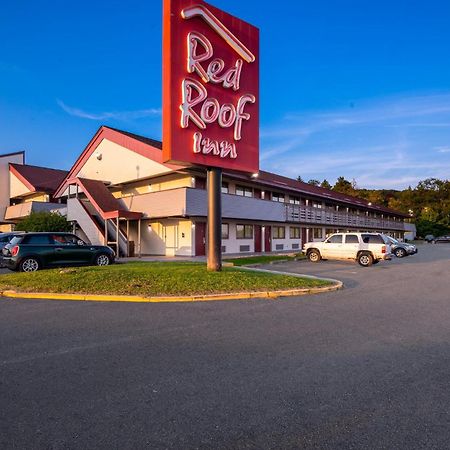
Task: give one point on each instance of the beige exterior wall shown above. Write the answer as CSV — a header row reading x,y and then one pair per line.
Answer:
x,y
6,228
164,237
116,164
4,180
164,183
16,187
39,197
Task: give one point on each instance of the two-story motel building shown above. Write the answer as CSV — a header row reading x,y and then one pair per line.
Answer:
x,y
120,192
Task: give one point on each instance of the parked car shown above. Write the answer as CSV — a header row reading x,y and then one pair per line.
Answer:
x,y
429,238
33,251
400,249
365,248
441,239
5,238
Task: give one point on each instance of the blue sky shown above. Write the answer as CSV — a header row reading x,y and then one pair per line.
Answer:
x,y
354,88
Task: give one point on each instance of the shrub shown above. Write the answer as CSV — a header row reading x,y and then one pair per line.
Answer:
x,y
44,221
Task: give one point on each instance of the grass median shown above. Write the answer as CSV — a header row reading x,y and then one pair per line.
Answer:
x,y
151,279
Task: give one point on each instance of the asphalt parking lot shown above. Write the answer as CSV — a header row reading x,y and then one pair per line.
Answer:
x,y
365,367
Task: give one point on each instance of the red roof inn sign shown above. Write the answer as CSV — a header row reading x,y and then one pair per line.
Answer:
x,y
210,87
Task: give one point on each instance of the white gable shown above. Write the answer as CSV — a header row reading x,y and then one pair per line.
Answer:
x,y
113,163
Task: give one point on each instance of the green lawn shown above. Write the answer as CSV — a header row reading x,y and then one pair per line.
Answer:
x,y
263,259
150,279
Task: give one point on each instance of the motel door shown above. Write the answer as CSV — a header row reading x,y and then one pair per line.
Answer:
x,y
303,236
267,238
200,238
170,239
258,238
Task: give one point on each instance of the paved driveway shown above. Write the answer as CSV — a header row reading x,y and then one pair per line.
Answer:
x,y
410,269
365,367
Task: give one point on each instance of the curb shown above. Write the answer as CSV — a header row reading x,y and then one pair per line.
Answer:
x,y
193,298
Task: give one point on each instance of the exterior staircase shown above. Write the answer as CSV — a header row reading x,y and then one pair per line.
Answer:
x,y
96,211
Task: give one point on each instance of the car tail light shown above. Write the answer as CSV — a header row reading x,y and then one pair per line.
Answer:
x,y
383,249
15,250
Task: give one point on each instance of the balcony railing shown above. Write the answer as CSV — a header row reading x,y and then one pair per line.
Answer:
x,y
305,214
25,209
193,202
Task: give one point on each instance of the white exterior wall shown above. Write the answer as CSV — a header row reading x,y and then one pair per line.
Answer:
x,y
287,241
232,244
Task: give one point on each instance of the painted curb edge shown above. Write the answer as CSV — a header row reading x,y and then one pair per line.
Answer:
x,y
337,284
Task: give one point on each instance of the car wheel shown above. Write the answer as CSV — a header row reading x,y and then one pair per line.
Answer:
x,y
400,252
314,256
102,260
30,265
365,259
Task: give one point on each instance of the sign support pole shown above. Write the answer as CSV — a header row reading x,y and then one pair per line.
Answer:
x,y
214,186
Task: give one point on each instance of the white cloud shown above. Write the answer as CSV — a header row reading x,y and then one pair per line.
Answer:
x,y
445,149
384,143
119,115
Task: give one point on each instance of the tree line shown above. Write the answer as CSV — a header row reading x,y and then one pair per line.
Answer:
x,y
428,203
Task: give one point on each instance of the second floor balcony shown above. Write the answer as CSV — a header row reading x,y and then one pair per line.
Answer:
x,y
21,210
190,202
338,219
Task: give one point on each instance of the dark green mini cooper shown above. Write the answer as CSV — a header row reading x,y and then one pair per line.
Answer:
x,y
33,251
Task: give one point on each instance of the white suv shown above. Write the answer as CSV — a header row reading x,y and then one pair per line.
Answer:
x,y
366,248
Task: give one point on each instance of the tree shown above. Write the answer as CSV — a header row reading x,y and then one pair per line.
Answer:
x,y
313,182
344,187
44,221
299,178
325,184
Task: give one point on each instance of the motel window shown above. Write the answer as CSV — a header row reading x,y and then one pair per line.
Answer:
x,y
294,200
200,183
276,197
316,204
294,232
279,232
244,191
317,233
225,230
225,188
244,231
